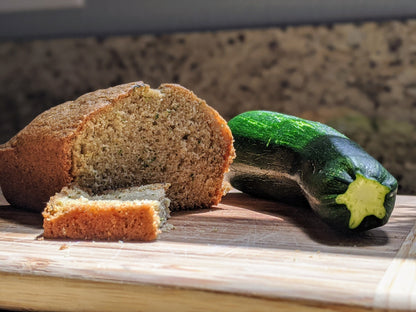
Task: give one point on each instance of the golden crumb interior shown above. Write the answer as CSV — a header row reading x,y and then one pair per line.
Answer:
x,y
154,136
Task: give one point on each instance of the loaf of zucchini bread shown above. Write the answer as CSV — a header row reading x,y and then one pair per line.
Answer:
x,y
123,136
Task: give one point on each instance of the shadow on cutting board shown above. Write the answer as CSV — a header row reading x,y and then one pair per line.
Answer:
x,y
244,221
20,221
305,220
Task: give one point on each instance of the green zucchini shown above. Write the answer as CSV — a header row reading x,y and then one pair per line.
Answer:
x,y
282,157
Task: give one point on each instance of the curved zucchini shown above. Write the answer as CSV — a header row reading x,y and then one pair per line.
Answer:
x,y
285,158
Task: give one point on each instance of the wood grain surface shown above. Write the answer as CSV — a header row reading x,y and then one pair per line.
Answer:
x,y
244,254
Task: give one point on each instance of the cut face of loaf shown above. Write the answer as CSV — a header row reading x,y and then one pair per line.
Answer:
x,y
119,137
135,213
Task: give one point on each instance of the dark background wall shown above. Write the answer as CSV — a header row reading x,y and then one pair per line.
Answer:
x,y
46,18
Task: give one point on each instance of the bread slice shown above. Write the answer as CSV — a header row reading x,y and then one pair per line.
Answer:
x,y
134,214
123,136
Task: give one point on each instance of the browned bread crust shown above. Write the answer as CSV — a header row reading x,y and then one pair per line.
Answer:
x,y
37,162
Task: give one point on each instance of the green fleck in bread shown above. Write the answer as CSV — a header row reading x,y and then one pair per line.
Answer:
x,y
127,135
135,213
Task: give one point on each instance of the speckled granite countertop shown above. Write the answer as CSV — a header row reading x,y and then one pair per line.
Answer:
x,y
361,79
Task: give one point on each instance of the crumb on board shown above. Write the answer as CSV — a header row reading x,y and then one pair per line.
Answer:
x,y
168,227
63,247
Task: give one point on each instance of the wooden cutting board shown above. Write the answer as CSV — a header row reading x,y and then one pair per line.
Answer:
x,y
245,254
